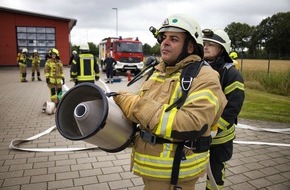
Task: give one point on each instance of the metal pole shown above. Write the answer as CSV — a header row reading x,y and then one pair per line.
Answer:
x,y
116,21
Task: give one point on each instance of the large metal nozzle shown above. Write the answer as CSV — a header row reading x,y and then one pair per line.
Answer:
x,y
85,113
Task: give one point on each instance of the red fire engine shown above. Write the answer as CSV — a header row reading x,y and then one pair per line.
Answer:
x,y
126,51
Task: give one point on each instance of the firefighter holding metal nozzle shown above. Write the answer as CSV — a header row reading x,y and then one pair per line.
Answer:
x,y
174,115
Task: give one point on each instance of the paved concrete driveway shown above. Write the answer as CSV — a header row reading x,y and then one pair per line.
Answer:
x,y
252,166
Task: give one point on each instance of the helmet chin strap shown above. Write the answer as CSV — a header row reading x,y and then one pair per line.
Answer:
x,y
184,52
215,59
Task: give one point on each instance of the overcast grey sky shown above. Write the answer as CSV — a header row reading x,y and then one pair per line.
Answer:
x,y
96,19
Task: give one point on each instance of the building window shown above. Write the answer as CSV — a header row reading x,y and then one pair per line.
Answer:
x,y
40,38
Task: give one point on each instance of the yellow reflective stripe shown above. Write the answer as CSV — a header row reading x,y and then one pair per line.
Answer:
x,y
53,97
164,127
85,78
22,64
74,73
151,172
223,124
203,94
177,92
81,67
159,126
82,76
157,77
167,149
162,162
225,132
162,167
166,173
224,136
223,139
233,86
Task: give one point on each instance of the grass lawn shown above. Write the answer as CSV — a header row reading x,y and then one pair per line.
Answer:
x,y
265,106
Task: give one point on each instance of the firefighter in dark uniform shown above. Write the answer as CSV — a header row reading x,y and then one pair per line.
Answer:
x,y
74,54
216,53
110,62
84,66
23,65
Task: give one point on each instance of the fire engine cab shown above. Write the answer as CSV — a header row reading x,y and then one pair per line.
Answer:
x,y
126,51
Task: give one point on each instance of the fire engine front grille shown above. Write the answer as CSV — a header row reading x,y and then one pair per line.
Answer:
x,y
130,59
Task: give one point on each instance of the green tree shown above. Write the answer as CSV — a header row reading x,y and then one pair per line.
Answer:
x,y
274,33
156,49
75,47
240,35
146,49
94,49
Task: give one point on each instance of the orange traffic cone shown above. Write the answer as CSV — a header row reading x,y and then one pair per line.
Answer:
x,y
129,75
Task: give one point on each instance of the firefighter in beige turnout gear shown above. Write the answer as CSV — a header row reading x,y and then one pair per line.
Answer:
x,y
22,62
171,149
54,75
35,60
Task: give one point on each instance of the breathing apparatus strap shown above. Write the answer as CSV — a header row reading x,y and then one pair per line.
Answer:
x,y
199,145
179,155
225,68
187,75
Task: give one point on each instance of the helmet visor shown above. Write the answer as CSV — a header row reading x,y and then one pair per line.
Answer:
x,y
171,29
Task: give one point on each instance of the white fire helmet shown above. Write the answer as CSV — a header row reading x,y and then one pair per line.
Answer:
x,y
84,47
218,36
182,23
24,50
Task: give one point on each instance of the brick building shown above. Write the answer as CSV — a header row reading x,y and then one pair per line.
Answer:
x,y
22,29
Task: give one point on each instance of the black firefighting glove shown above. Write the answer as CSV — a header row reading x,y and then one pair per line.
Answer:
x,y
97,78
47,80
63,81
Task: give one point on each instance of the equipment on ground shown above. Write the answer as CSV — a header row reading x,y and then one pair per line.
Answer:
x,y
49,108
